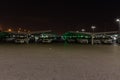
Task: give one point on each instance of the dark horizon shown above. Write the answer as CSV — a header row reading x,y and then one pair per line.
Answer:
x,y
60,16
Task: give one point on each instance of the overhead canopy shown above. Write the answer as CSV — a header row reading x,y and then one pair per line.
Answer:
x,y
76,35
49,34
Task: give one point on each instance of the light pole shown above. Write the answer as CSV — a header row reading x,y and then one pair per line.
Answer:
x,y
118,20
93,28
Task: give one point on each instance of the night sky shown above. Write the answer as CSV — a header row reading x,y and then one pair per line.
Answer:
x,y
60,16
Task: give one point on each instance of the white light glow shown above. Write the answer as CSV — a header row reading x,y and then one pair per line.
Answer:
x,y
83,30
115,38
93,27
117,20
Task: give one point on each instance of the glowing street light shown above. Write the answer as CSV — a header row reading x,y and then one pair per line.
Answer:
x,y
77,31
9,30
93,28
83,30
118,20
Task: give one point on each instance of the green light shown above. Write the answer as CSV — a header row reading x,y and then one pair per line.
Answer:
x,y
81,36
70,36
78,36
86,37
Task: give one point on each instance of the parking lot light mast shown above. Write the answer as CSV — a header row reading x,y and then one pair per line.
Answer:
x,y
93,28
118,20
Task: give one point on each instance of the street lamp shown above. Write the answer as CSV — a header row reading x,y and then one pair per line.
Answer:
x,y
9,30
118,20
83,30
93,28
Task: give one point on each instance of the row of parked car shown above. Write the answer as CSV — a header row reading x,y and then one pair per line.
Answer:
x,y
27,38
49,37
95,41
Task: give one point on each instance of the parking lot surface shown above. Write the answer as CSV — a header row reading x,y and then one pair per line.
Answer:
x,y
59,62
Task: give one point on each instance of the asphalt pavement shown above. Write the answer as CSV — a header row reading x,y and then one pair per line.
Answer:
x,y
59,62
